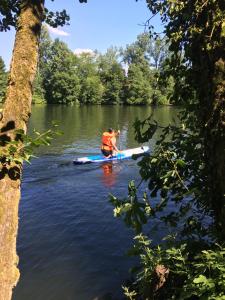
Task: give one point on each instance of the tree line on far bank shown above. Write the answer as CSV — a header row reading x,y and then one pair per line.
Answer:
x,y
3,79
120,76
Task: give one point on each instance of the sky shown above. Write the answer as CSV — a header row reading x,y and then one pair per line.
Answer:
x,y
97,24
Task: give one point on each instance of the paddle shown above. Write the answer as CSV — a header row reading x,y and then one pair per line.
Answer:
x,y
119,141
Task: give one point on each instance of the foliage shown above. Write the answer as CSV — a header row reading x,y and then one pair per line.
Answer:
x,y
158,52
149,55
92,90
191,276
197,41
138,89
175,174
58,69
45,52
185,172
154,51
64,88
136,53
3,79
133,211
100,78
38,91
10,10
164,89
91,86
22,147
112,84
112,76
192,271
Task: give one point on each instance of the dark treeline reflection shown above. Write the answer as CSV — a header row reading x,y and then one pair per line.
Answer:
x,y
86,123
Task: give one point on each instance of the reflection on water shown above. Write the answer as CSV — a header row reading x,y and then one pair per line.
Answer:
x,y
70,245
83,125
110,171
109,176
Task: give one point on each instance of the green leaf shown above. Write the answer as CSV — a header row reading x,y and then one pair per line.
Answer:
x,y
200,279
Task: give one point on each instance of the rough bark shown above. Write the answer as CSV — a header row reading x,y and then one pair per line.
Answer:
x,y
16,112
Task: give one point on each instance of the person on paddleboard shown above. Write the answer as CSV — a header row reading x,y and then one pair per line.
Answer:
x,y
108,146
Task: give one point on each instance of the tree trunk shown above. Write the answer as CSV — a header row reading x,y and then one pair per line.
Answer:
x,y
16,112
211,67
215,145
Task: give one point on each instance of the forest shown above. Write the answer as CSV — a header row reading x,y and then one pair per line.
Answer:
x,y
127,76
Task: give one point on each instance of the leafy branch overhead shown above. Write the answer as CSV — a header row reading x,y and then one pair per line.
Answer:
x,y
22,148
10,10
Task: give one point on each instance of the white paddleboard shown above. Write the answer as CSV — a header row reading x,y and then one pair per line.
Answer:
x,y
101,158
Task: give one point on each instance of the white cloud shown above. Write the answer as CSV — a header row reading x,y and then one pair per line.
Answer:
x,y
79,51
57,31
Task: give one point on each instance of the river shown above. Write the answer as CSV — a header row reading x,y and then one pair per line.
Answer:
x,y
70,245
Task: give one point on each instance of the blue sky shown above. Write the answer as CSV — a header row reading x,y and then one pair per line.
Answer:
x,y
97,24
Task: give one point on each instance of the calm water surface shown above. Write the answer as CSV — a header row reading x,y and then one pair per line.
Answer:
x,y
70,245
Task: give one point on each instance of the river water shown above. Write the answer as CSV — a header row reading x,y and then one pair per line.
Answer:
x,y
70,245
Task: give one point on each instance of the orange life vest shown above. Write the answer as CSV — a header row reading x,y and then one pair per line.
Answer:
x,y
107,141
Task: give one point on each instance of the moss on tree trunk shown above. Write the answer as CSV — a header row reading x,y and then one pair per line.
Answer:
x,y
16,112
